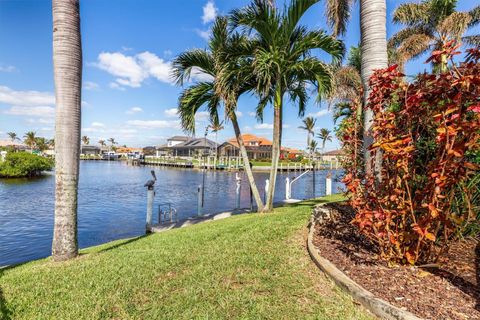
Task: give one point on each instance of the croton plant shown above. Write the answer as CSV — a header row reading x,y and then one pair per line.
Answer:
x,y
424,131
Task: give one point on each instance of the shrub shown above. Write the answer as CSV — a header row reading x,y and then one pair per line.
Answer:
x,y
23,164
424,131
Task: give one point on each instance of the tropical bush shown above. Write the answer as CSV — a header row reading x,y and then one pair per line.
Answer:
x,y
425,132
24,164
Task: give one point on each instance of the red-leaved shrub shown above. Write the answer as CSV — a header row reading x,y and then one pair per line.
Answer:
x,y
423,131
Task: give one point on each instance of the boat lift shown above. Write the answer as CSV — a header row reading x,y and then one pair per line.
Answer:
x,y
288,185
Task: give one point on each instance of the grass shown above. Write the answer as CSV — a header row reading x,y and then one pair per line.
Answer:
x,y
245,267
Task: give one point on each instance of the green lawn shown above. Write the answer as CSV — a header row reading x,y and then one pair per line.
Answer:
x,y
246,267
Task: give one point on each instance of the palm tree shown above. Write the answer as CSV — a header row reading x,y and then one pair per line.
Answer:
x,y
374,53
41,143
223,66
308,125
429,25
325,136
13,136
51,143
86,140
112,142
102,143
30,139
67,69
313,147
282,62
216,126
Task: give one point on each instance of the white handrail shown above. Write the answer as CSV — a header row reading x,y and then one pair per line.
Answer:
x,y
288,193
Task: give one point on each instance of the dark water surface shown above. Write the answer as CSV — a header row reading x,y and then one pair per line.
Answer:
x,y
112,203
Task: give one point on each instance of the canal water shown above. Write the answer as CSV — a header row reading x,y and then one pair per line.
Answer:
x,y
112,203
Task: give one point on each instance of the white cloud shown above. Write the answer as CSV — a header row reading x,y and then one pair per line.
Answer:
x,y
126,68
262,126
319,114
155,66
97,125
7,69
39,111
204,34
239,113
134,110
252,114
155,124
115,85
90,85
41,120
209,12
247,128
167,53
131,71
26,98
171,113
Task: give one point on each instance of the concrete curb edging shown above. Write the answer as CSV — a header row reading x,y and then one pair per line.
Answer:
x,y
377,306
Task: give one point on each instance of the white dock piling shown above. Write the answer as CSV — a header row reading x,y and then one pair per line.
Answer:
x,y
328,184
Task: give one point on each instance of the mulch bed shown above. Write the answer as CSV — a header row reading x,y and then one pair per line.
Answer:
x,y
449,291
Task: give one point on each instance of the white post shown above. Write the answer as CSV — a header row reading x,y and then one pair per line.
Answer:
x,y
267,184
328,185
150,196
238,190
199,202
331,164
288,191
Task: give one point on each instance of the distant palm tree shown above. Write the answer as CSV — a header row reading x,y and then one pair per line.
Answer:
x,y
67,70
30,139
51,143
86,140
308,125
228,82
13,136
112,143
41,143
325,136
216,126
313,147
102,143
283,63
429,25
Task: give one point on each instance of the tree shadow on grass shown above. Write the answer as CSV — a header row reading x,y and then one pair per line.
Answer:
x,y
122,243
5,313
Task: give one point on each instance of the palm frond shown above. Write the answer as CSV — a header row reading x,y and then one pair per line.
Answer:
x,y
185,62
472,40
354,58
298,95
475,15
396,40
414,46
190,102
318,39
318,73
412,14
338,14
294,13
455,25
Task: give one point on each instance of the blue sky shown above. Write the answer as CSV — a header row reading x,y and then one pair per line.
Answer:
x,y
127,48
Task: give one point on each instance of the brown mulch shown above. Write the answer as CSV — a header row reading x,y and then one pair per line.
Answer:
x,y
449,291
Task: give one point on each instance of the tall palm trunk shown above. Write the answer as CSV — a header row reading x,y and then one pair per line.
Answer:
x,y
373,27
67,68
276,144
246,162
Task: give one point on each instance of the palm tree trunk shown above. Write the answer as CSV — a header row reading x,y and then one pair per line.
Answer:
x,y
277,123
246,163
67,68
373,27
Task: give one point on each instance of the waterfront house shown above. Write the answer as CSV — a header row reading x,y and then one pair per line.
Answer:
x,y
90,150
129,152
17,145
188,148
334,155
257,148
